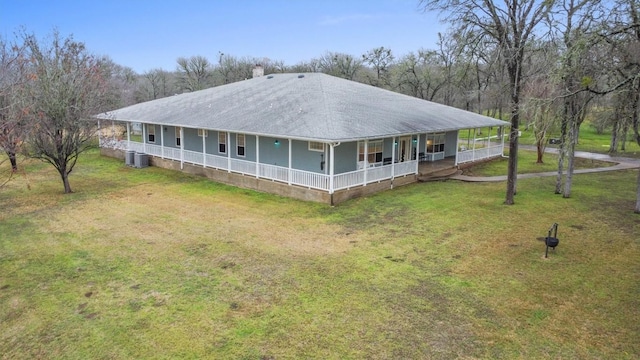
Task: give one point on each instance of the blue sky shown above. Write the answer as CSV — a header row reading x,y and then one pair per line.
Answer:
x,y
144,34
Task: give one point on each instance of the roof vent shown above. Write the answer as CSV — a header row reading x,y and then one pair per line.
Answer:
x,y
269,76
300,76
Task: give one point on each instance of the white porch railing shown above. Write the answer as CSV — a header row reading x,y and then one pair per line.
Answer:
x,y
271,172
479,154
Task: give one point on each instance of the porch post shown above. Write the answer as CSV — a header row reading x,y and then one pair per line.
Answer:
x,y
228,151
181,147
418,155
473,152
204,149
366,160
393,158
257,157
455,162
502,136
162,142
331,168
128,135
289,172
489,137
144,136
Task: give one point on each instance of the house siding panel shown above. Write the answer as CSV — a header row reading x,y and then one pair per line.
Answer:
x,y
450,143
192,141
272,154
304,159
346,155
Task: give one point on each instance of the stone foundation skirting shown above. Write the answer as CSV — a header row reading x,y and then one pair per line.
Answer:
x,y
269,186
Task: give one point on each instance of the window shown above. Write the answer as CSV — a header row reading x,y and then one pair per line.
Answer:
x,y
151,133
374,151
178,136
222,142
316,146
240,144
205,132
435,143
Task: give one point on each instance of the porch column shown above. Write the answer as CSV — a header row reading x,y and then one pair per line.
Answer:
x,y
418,155
393,158
162,142
473,152
331,168
181,148
228,151
128,135
502,136
204,149
455,162
489,137
366,160
257,157
289,173
144,136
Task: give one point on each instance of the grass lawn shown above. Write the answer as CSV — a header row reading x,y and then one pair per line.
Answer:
x,y
527,164
150,263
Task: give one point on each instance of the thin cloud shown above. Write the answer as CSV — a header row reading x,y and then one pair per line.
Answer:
x,y
337,20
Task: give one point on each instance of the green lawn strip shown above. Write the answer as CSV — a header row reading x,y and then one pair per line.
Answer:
x,y
527,165
143,262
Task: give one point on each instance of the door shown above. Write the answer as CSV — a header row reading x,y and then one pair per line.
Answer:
x,y
404,149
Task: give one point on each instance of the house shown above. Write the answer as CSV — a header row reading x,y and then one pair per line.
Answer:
x,y
310,136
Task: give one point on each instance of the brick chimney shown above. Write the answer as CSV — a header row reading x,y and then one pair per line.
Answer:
x,y
258,71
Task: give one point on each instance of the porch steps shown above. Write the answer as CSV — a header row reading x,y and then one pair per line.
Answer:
x,y
439,175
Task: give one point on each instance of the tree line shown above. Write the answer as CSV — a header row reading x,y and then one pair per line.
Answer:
x,y
545,66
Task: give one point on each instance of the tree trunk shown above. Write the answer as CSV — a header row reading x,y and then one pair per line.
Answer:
x,y
12,159
65,180
540,150
637,209
561,154
573,137
512,171
613,146
625,134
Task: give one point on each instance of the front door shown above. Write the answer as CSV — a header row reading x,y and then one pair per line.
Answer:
x,y
404,149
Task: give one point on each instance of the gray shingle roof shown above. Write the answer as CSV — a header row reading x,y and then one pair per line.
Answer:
x,y
311,107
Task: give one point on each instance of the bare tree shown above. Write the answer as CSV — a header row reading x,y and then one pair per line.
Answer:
x,y
380,60
12,80
67,85
195,73
512,24
340,65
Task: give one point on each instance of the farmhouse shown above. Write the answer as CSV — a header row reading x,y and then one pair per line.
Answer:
x,y
309,136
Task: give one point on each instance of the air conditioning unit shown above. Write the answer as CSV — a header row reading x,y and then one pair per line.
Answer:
x,y
129,157
140,160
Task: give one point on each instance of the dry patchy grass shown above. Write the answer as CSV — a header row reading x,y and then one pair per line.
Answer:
x,y
152,263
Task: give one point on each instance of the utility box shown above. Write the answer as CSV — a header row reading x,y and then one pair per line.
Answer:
x,y
140,160
129,157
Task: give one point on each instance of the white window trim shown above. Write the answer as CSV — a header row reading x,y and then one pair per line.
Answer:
x,y
178,136
151,130
201,131
220,133
244,145
369,148
316,149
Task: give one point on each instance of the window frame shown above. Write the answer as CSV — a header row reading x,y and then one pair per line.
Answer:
x,y
178,139
203,131
222,142
375,151
243,146
437,143
311,148
151,132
